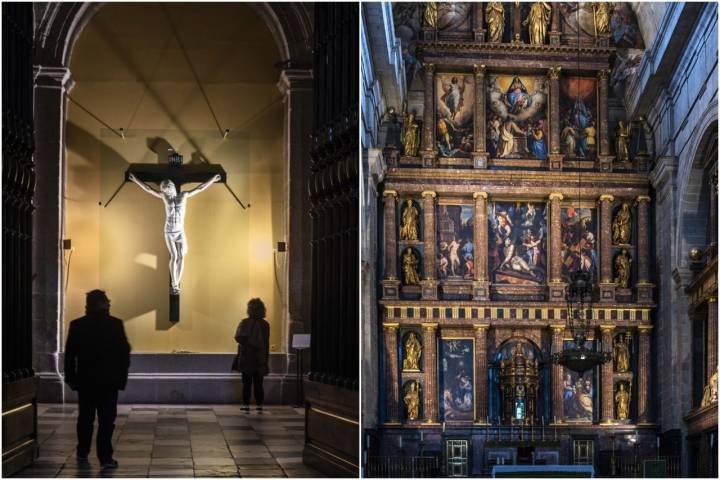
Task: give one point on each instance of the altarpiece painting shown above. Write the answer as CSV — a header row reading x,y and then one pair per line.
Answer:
x,y
455,248
579,240
457,379
578,392
455,97
578,114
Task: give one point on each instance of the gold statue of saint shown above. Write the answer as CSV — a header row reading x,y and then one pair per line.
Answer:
x,y
430,16
537,22
622,225
410,135
412,401
622,403
622,269
495,18
710,391
413,349
622,136
621,351
601,12
410,268
409,227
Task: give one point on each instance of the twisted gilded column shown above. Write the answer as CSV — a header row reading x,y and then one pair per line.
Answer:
x,y
392,387
644,373
391,284
556,373
555,157
430,393
481,373
429,283
643,285
712,336
480,154
605,159
606,377
607,287
429,153
481,284
556,286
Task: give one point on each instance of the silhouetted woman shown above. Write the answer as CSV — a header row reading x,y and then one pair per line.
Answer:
x,y
253,337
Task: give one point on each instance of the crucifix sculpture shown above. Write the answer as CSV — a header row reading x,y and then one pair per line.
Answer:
x,y
170,179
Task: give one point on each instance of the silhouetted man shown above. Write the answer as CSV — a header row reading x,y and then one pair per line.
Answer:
x,y
97,358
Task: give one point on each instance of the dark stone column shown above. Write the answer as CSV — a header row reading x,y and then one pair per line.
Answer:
x,y
430,393
605,159
481,373
607,286
606,380
556,374
555,158
391,283
556,286
711,251
643,286
712,336
429,283
478,21
392,386
481,285
429,152
479,155
644,374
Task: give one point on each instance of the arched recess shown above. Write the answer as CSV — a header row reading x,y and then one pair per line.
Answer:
x,y
58,25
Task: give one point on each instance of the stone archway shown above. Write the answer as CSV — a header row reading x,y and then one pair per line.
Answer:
x,y
58,25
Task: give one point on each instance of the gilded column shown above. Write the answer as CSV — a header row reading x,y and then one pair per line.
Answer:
x,y
481,285
429,153
480,154
392,387
607,287
478,21
712,336
643,285
556,374
430,393
429,283
604,157
481,373
555,158
391,284
606,380
556,286
644,374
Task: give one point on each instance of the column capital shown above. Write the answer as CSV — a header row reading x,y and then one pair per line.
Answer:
x,y
429,67
554,73
391,326
642,198
53,77
607,328
295,79
388,193
477,195
606,197
479,70
556,196
429,326
712,299
481,326
428,193
558,328
644,328
603,74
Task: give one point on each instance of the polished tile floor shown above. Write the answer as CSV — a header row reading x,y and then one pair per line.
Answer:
x,y
179,441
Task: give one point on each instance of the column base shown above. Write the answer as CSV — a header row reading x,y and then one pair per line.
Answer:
x,y
608,421
392,156
603,40
556,291
429,34
391,288
644,292
605,163
607,292
480,36
481,290
555,161
429,288
429,158
554,38
480,159
641,162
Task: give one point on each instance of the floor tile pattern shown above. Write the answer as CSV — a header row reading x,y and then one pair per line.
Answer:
x,y
179,441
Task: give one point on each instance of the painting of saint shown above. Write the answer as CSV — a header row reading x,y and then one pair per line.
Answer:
x,y
578,392
455,249
517,117
517,243
578,129
454,116
457,379
579,241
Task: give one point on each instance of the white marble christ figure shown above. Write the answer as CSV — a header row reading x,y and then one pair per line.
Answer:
x,y
175,207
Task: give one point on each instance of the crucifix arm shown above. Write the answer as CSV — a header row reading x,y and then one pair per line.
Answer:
x,y
144,186
203,186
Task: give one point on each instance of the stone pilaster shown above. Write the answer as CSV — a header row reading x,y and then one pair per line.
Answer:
x,y
605,159
555,158
711,251
556,373
554,32
478,22
481,374
606,377
607,287
481,285
556,286
644,374
392,386
429,284
430,393
391,283
429,150
712,336
480,154
643,286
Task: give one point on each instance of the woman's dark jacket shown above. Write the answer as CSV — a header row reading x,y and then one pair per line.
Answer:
x,y
253,337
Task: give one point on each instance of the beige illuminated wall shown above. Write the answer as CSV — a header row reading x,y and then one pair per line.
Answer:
x,y
131,72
